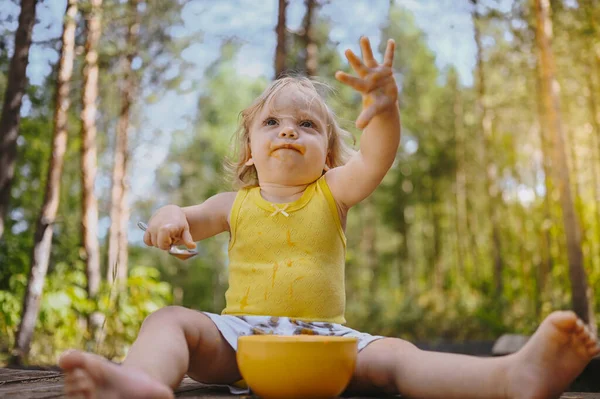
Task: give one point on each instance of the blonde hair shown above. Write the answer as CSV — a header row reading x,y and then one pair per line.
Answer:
x,y
338,150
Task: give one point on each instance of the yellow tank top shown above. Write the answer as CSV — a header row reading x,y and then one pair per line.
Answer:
x,y
287,259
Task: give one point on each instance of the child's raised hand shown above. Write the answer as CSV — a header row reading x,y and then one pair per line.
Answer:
x,y
375,81
168,226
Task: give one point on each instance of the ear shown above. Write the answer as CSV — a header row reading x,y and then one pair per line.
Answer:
x,y
328,163
249,162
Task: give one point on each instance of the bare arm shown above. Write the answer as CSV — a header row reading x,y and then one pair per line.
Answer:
x,y
356,180
172,224
210,217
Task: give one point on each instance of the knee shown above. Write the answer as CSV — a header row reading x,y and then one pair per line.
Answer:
x,y
193,325
167,316
389,362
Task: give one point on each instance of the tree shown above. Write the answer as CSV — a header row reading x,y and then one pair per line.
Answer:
x,y
552,116
281,50
89,214
485,120
460,183
10,118
119,212
44,229
311,61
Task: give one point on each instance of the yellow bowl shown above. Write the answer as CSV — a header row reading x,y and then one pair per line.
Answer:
x,y
298,366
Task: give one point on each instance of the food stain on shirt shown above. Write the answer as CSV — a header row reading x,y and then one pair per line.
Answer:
x,y
292,285
289,239
275,267
244,301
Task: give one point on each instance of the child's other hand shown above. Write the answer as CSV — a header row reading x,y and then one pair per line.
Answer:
x,y
375,81
168,226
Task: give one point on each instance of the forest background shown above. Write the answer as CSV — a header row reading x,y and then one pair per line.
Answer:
x,y
488,220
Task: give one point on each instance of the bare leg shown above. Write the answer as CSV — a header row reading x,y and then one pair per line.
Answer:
x,y
172,342
553,357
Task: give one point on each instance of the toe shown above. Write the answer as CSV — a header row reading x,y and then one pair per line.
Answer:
x,y
589,337
71,359
592,347
592,343
565,320
75,375
579,326
78,386
582,336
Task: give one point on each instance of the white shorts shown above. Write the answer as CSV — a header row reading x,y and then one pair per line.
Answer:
x,y
232,327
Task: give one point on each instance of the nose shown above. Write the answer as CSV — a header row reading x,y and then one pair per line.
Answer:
x,y
288,133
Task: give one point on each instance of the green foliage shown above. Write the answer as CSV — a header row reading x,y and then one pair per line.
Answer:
x,y
27,196
10,309
65,307
125,310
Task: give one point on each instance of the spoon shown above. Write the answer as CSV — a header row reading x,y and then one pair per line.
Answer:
x,y
179,253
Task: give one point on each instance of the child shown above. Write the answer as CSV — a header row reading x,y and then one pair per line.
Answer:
x,y
286,250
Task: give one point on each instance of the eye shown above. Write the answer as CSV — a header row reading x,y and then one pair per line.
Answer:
x,y
270,122
309,124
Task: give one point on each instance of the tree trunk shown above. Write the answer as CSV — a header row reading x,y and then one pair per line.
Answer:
x,y
368,239
405,267
123,257
552,113
592,63
438,262
573,163
119,212
281,50
43,235
548,220
11,109
491,175
89,214
311,61
592,12
595,143
460,181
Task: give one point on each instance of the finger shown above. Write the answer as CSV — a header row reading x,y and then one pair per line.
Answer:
x,y
376,77
188,240
367,52
365,116
353,81
388,58
579,326
164,240
355,63
147,239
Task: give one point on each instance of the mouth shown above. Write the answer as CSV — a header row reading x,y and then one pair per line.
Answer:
x,y
288,146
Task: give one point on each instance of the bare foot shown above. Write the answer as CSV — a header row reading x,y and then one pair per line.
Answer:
x,y
556,354
93,377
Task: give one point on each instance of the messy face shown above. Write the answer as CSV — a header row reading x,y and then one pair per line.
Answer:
x,y
288,138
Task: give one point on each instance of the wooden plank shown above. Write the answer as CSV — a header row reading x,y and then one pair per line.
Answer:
x,y
36,384
39,388
194,389
14,376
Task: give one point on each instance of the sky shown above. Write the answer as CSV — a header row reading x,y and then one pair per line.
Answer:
x,y
446,23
